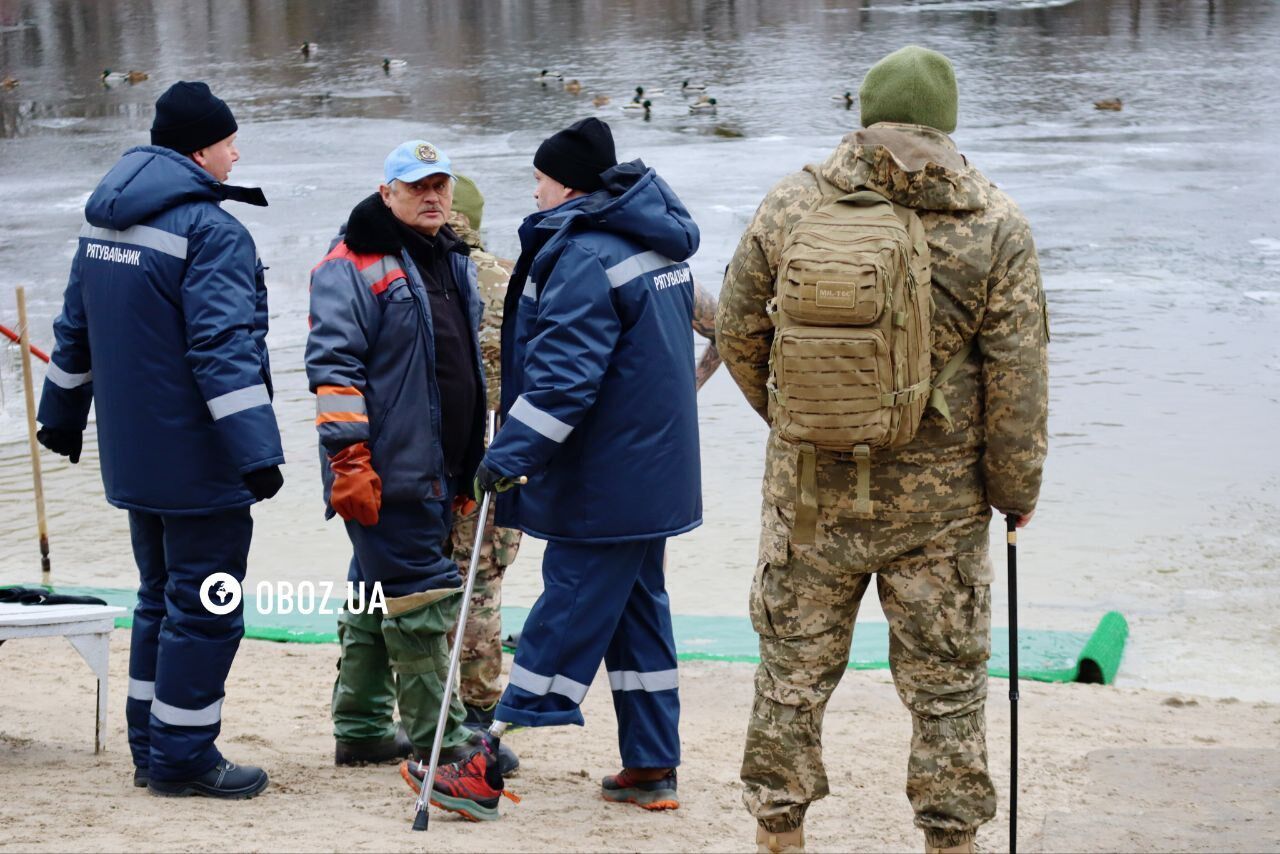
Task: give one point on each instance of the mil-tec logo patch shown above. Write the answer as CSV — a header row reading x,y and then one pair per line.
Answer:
x,y
427,153
835,295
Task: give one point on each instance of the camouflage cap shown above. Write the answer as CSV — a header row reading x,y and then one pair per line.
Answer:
x,y
468,201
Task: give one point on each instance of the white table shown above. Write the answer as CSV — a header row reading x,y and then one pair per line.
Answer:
x,y
88,627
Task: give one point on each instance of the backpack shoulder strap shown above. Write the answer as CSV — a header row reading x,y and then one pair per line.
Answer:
x,y
936,398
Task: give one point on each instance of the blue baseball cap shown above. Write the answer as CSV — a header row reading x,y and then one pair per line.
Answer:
x,y
414,160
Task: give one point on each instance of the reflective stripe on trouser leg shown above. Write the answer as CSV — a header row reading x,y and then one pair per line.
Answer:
x,y
641,660
364,692
146,531
196,647
585,591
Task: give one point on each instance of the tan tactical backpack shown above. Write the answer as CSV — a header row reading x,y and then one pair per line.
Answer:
x,y
852,312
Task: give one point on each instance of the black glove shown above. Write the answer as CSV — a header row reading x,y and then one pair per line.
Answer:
x,y
488,480
62,441
264,483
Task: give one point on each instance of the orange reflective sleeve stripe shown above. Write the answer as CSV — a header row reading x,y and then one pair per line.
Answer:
x,y
348,417
340,403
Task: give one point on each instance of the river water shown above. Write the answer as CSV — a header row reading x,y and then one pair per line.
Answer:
x,y
1157,232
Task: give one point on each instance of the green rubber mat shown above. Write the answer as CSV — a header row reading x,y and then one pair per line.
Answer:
x,y
1043,656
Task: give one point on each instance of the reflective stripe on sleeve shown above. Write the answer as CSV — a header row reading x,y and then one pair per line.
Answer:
x,y
637,265
141,690
530,289
654,680
538,421
238,401
339,403
381,273
141,235
543,685
62,379
175,716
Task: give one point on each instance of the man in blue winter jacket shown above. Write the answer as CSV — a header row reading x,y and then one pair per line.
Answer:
x,y
393,357
163,328
601,417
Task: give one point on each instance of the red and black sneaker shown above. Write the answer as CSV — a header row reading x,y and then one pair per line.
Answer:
x,y
625,788
470,787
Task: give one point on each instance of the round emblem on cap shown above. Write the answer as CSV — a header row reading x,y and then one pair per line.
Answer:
x,y
427,153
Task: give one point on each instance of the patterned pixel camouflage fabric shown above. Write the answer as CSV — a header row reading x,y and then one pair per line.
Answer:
x,y
480,670
986,291
934,586
925,538
481,664
704,323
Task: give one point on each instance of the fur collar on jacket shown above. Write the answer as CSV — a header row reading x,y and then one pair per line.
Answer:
x,y
372,228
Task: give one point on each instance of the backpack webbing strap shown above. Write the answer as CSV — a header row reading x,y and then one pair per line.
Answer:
x,y
806,525
862,459
905,396
936,398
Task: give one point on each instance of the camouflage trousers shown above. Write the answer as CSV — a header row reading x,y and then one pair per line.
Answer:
x,y
934,581
480,670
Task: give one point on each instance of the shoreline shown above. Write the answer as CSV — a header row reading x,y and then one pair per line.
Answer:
x,y
1100,768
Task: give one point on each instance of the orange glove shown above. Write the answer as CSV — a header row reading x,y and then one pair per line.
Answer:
x,y
357,489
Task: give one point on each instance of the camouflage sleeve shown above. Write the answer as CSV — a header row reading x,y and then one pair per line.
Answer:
x,y
704,312
492,275
744,330
704,323
1013,340
707,366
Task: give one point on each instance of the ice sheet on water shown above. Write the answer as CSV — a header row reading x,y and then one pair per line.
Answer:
x,y
1268,247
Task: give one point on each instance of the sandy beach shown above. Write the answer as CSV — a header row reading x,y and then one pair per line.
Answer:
x,y
1102,768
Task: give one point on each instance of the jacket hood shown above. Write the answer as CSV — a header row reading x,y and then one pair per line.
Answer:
x,y
146,180
637,204
150,179
371,228
916,166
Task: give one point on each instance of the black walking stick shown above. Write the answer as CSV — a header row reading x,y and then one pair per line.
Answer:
x,y
1011,523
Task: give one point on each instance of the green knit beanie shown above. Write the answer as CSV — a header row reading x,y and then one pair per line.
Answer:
x,y
914,86
468,201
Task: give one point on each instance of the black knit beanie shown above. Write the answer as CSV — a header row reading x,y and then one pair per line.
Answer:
x,y
189,117
578,154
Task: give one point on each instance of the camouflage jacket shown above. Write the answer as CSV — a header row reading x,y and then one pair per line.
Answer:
x,y
492,275
987,294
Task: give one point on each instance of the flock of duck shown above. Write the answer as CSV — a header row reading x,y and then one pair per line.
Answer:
x,y
641,102
1115,105
109,78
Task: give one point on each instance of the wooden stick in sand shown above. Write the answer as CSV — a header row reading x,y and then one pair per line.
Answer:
x,y
25,345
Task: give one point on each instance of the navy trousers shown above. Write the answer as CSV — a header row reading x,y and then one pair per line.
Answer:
x,y
405,550
601,601
181,653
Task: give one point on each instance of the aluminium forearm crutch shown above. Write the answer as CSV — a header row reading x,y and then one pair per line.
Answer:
x,y
422,815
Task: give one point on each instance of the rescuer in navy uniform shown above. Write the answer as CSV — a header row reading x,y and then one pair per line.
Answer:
x,y
163,327
601,417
